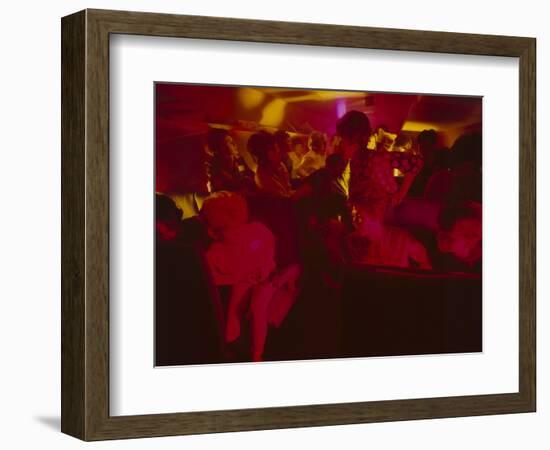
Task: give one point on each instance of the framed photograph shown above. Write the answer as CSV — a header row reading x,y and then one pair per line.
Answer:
x,y
272,225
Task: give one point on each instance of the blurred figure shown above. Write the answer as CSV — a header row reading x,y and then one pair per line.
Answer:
x,y
167,218
224,162
402,143
381,139
314,159
463,180
371,179
296,155
379,244
334,146
426,146
426,142
242,255
405,164
459,238
325,221
320,196
353,130
188,318
415,210
272,176
182,173
283,143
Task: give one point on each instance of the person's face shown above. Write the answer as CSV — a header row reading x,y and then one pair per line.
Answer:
x,y
299,149
318,146
284,146
336,140
274,155
463,241
231,148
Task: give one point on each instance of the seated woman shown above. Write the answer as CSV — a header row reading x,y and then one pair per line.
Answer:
x,y
226,171
377,243
462,180
319,195
242,255
459,238
272,176
324,219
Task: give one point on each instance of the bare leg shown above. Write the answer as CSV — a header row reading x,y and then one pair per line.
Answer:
x,y
233,326
271,302
285,296
259,306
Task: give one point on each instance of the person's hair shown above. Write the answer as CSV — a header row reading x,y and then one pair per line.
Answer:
x,y
335,161
317,141
165,209
259,144
224,209
215,139
354,125
467,148
427,137
450,215
281,137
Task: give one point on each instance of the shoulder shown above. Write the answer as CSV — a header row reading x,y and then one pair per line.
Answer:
x,y
319,176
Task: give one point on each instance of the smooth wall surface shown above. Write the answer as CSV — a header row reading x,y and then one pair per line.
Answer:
x,y
30,229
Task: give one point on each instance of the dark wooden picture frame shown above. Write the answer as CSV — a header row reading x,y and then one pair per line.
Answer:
x,y
85,224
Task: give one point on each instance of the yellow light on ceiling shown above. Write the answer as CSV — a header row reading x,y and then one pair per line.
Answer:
x,y
273,113
250,98
411,125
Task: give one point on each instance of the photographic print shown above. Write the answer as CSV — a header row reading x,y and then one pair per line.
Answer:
x,y
299,224
309,231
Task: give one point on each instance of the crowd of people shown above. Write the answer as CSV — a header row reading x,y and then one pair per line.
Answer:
x,y
305,211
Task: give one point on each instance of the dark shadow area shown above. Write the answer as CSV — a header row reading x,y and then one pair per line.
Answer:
x,y
51,422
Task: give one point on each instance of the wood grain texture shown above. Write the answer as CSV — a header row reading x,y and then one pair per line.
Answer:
x,y
527,223
73,224
85,224
151,24
97,226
